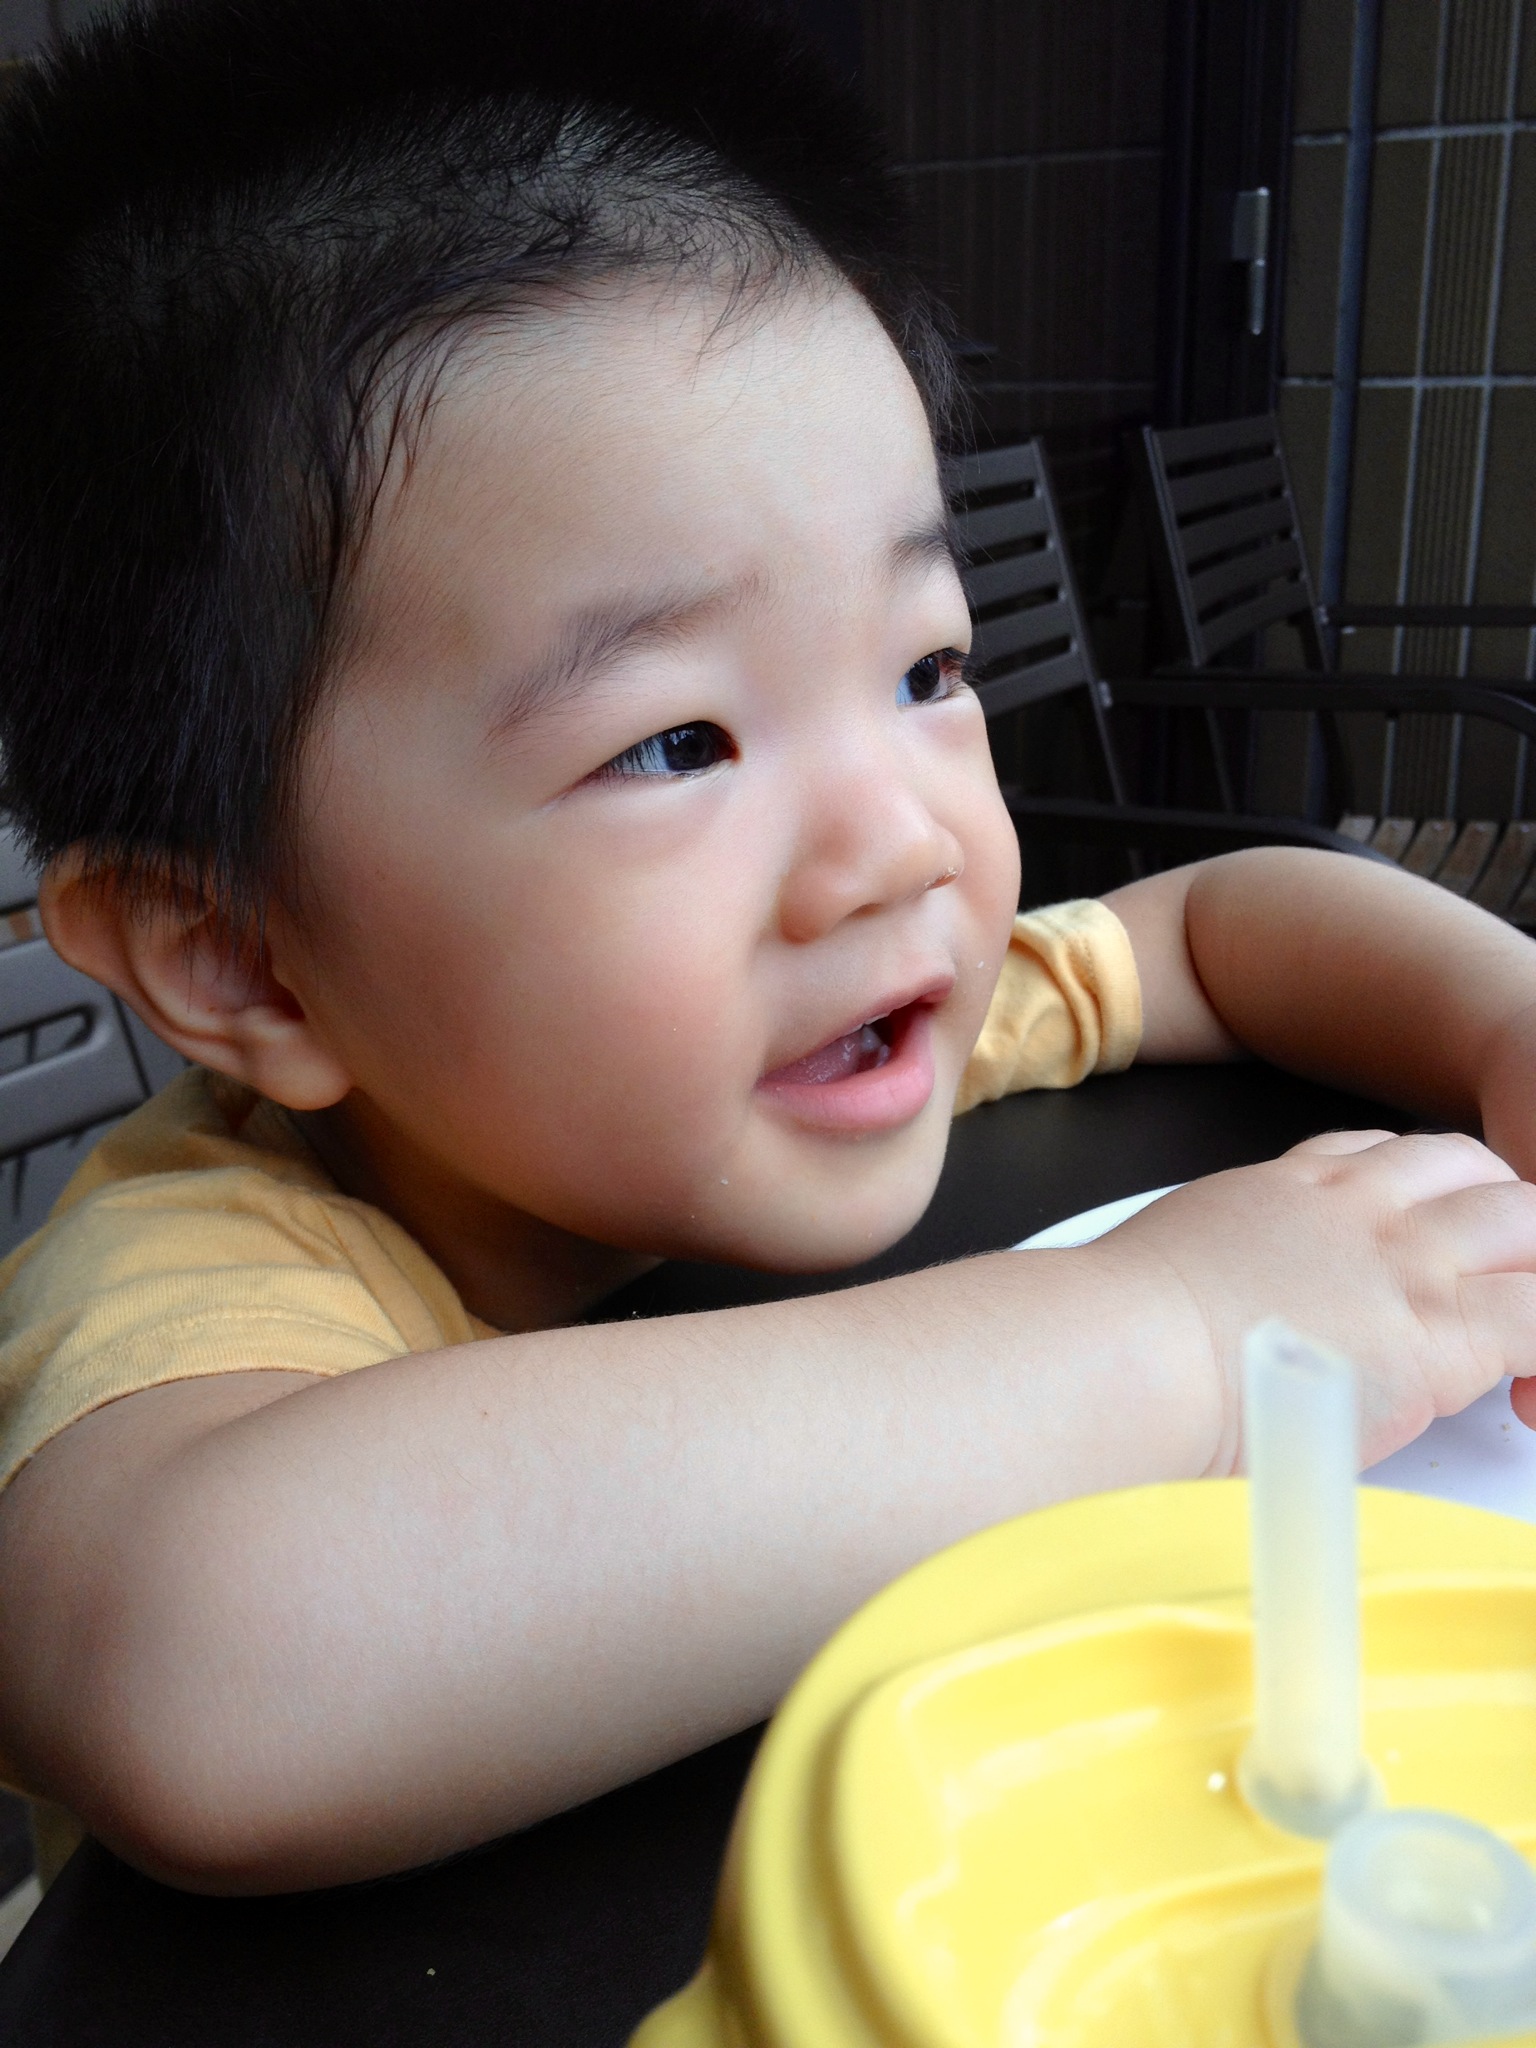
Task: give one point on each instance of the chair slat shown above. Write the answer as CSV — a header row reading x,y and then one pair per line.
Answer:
x,y
1025,651
994,469
1210,487
1221,438
18,875
993,583
80,1085
1028,685
1354,826
1250,570
1466,860
35,984
1237,495
997,526
1273,609
1507,871
1016,632
1203,538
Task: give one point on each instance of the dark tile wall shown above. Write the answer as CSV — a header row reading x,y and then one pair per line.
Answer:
x,y
1444,504
1028,133
977,79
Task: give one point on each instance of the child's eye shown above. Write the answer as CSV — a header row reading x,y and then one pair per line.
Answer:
x,y
684,750
934,677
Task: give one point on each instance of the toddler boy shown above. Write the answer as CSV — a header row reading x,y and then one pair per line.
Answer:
x,y
483,660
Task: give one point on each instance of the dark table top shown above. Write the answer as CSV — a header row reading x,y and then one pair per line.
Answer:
x,y
566,1935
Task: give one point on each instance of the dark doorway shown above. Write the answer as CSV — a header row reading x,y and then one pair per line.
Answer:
x,y
1075,167
1227,137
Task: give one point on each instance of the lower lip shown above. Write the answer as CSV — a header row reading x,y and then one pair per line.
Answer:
x,y
881,1099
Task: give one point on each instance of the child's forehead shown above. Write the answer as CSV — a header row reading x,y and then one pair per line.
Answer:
x,y
674,380
653,435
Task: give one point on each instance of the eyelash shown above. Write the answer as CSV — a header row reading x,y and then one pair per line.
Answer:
x,y
946,669
657,755
675,751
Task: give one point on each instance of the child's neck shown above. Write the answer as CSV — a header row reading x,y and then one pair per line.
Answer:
x,y
512,1270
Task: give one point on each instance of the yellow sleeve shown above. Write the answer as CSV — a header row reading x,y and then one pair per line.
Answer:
x,y
200,1236
176,1275
1067,1004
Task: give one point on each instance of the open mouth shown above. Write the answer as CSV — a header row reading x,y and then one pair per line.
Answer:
x,y
856,1052
873,1078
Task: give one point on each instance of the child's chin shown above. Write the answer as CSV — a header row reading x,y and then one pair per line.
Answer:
x,y
819,1244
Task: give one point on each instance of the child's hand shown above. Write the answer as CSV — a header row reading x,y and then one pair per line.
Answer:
x,y
1415,1256
1507,1101
1506,1093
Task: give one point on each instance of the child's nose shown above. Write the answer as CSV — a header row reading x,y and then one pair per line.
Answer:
x,y
870,848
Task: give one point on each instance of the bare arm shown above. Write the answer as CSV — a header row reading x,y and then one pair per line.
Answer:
x,y
264,1631
1348,971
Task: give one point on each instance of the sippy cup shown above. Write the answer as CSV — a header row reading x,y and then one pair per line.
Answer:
x,y
1230,1764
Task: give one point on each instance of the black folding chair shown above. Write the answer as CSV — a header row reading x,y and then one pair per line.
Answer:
x,y
1230,565
1031,645
72,1058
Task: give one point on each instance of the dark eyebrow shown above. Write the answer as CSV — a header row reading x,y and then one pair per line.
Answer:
x,y
600,633
922,546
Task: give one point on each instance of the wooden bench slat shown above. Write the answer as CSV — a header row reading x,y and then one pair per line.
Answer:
x,y
1429,846
1523,910
1393,836
1469,856
1505,873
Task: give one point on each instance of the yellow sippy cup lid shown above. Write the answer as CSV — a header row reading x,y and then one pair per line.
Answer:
x,y
1000,1808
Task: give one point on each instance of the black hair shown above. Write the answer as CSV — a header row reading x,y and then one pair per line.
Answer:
x,y
224,226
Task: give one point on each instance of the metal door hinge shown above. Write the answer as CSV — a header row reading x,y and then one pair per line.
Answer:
x,y
1250,245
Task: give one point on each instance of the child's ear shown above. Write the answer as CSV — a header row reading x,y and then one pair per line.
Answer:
x,y
172,961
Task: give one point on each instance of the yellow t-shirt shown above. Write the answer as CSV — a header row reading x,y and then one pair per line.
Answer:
x,y
202,1235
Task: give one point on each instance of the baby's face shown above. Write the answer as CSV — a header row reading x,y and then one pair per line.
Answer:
x,y
660,873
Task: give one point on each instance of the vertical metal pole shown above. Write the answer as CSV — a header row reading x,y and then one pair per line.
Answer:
x,y
1353,239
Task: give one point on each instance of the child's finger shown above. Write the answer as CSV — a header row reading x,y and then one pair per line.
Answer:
x,y
1487,1228
1421,1166
1500,1318
1335,1143
1522,1399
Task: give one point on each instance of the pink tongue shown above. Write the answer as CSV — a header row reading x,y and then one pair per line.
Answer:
x,y
855,1053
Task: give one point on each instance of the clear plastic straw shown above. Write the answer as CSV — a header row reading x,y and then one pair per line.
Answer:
x,y
1305,1769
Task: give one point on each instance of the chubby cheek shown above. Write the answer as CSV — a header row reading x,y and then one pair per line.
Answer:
x,y
998,850
583,1052
627,1088
989,892
991,878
